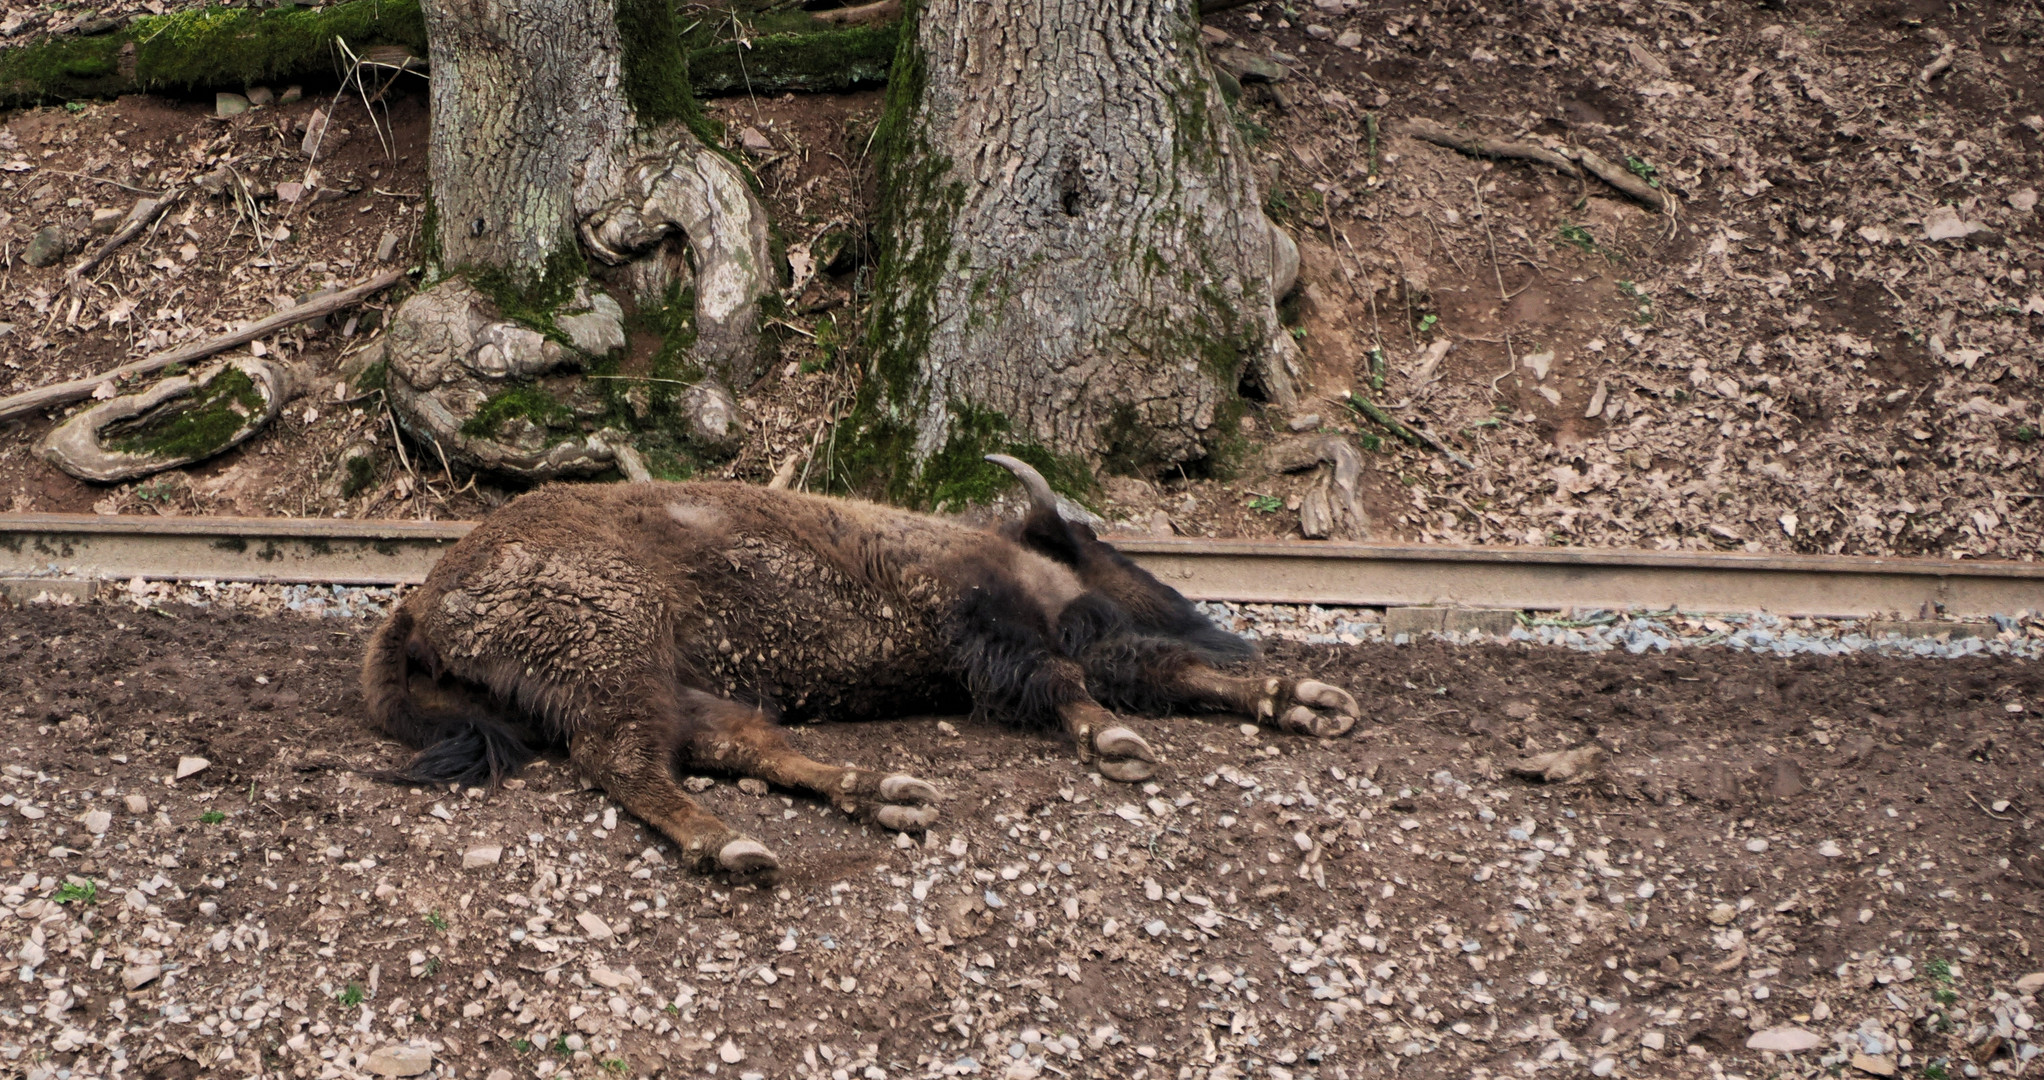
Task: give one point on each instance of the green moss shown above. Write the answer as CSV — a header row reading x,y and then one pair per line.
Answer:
x,y
819,60
231,48
873,455
525,400
534,298
194,425
918,200
361,473
372,377
657,69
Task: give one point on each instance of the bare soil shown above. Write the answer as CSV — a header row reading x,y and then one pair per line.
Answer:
x,y
1847,847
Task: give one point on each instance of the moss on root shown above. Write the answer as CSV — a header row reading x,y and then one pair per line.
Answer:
x,y
823,60
195,425
526,401
210,48
231,48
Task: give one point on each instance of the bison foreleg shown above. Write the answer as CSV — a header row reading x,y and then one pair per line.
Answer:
x,y
733,737
632,759
1300,706
1107,744
1154,675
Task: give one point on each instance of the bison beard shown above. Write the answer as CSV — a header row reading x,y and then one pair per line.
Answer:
x,y
647,626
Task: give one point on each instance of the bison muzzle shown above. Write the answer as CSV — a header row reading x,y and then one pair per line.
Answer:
x,y
650,626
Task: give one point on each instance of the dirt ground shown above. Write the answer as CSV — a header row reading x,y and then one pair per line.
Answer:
x,y
1846,848
1830,346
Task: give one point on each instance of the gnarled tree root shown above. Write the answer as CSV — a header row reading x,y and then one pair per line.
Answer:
x,y
1333,507
176,421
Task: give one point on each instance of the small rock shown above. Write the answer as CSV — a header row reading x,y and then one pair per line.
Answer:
x,y
47,246
1830,849
2031,983
593,925
189,766
137,804
32,813
261,95
98,822
1875,1066
1722,914
226,105
400,1061
315,134
137,976
1654,1040
106,219
1308,422
290,191
1350,39
386,248
1785,1040
291,95
754,140
1756,845
487,855
729,1053
1604,1066
1318,32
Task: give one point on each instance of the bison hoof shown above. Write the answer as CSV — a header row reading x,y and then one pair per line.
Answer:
x,y
1322,696
1301,720
1121,742
906,818
1124,755
903,788
1126,770
1308,718
747,857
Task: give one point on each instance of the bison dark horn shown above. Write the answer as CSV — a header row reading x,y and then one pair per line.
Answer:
x,y
1039,488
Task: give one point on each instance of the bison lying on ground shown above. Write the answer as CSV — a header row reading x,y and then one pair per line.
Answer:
x,y
648,625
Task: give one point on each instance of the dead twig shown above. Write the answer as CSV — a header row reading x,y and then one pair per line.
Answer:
x,y
1624,181
79,389
1505,149
145,212
1415,436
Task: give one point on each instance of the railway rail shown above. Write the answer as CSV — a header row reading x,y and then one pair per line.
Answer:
x,y
37,550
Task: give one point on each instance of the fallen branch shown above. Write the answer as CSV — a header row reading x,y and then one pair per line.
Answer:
x,y
79,389
1415,436
881,11
1622,180
1427,131
145,211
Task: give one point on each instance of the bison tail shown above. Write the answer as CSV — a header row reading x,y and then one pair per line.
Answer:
x,y
460,741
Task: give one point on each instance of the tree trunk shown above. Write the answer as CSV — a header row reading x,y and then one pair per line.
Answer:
x,y
529,131
563,130
1074,255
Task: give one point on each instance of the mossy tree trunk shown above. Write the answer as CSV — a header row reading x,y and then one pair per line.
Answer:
x,y
1074,256
565,131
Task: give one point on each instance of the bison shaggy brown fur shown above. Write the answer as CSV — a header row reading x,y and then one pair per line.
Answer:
x,y
651,626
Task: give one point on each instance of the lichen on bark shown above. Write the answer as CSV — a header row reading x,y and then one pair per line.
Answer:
x,y
1072,238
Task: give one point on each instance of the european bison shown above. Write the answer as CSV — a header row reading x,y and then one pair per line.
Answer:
x,y
647,625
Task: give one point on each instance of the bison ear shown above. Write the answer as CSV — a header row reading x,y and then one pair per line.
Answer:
x,y
1040,495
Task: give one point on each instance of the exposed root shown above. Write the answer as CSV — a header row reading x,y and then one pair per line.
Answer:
x,y
679,185
1333,507
177,421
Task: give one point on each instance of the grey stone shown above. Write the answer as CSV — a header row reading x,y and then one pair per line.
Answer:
x,y
261,95
598,330
47,247
226,105
400,1061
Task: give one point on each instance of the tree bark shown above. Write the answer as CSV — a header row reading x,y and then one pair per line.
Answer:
x,y
528,127
1073,246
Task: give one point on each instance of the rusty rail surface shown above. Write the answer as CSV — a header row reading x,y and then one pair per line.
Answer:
x,y
383,552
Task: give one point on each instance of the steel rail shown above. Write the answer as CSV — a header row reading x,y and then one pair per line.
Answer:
x,y
384,552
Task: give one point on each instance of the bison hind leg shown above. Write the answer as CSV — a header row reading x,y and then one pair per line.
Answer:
x,y
726,735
